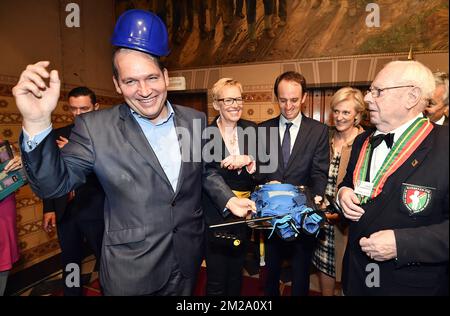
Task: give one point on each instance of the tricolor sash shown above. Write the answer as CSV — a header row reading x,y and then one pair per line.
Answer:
x,y
400,152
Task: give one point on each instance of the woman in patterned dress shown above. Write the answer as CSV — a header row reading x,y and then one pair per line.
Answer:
x,y
347,106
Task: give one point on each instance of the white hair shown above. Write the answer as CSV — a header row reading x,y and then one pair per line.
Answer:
x,y
416,73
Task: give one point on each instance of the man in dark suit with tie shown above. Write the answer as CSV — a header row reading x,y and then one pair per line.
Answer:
x,y
299,154
395,192
147,156
79,214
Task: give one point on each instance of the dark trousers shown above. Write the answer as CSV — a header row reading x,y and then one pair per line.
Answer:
x,y
71,233
161,10
268,7
224,264
239,7
282,9
251,9
177,285
301,250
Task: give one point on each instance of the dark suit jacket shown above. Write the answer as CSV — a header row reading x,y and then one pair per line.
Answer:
x,y
87,204
422,238
309,160
148,226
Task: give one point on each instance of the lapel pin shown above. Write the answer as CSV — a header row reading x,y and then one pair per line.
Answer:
x,y
414,162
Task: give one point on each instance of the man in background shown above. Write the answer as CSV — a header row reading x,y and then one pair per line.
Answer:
x,y
437,109
78,216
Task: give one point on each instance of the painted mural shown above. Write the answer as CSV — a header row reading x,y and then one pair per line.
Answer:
x,y
216,32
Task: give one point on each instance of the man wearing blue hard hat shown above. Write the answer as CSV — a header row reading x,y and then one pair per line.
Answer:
x,y
152,181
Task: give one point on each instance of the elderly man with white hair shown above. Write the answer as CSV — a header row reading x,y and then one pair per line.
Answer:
x,y
437,109
398,239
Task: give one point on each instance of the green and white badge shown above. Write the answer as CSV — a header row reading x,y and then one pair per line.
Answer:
x,y
416,198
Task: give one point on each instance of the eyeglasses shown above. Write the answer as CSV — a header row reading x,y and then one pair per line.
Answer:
x,y
230,101
377,91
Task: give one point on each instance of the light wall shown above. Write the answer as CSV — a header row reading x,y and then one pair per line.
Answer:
x,y
36,30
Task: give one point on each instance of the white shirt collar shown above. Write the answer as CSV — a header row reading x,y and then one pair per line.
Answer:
x,y
296,122
440,121
399,130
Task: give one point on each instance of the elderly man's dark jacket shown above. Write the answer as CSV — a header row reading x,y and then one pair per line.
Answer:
x,y
422,238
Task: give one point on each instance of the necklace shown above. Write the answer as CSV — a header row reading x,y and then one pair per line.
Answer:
x,y
229,136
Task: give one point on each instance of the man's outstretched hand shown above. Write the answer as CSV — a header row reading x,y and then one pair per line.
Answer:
x,y
241,207
34,98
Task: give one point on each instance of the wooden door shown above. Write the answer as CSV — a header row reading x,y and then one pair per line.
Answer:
x,y
196,99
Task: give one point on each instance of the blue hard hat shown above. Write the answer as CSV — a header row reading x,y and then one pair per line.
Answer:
x,y
143,31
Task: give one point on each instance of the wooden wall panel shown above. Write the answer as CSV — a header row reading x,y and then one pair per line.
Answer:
x,y
326,117
317,105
